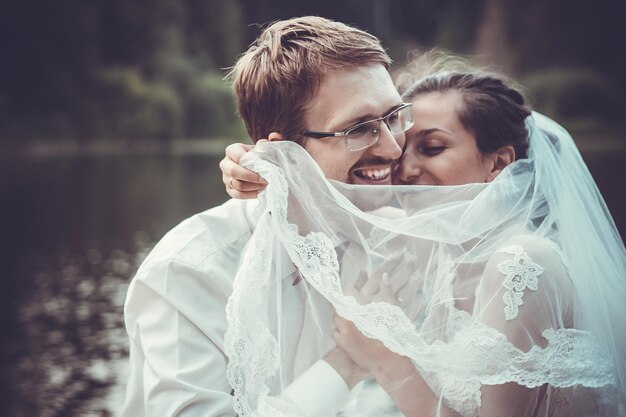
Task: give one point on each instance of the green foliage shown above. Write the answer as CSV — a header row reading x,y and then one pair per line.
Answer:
x,y
102,69
126,104
151,68
582,98
129,106
222,29
210,107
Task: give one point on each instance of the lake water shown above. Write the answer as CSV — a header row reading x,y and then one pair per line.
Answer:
x,y
74,230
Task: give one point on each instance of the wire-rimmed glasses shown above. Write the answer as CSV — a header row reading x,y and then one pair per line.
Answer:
x,y
365,134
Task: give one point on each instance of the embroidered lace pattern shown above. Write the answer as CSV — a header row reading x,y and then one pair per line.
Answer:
x,y
476,354
521,273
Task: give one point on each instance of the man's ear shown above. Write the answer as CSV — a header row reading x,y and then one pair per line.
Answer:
x,y
499,160
275,136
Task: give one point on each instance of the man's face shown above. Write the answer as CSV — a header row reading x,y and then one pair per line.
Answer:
x,y
344,98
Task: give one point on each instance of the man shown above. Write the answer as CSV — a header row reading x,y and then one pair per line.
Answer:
x,y
308,80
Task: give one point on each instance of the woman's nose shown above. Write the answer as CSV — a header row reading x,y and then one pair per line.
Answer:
x,y
409,168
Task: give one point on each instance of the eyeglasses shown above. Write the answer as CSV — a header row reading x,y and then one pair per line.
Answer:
x,y
365,134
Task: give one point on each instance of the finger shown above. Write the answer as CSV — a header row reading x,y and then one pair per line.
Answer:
x,y
410,291
343,325
353,291
242,186
235,151
338,321
245,186
400,276
236,171
250,195
388,266
371,286
384,291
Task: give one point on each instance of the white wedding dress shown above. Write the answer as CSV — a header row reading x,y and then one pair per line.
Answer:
x,y
506,294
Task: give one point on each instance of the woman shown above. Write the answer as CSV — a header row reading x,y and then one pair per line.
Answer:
x,y
518,280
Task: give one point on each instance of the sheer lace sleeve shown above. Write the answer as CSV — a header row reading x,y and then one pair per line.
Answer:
x,y
525,292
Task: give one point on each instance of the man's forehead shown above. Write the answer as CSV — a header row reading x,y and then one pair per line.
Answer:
x,y
353,94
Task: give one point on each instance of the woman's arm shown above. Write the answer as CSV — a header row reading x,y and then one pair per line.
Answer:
x,y
543,304
395,373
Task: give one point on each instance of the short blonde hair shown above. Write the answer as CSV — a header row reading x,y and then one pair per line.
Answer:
x,y
277,76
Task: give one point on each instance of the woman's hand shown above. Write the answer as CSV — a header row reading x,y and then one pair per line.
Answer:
x,y
395,373
351,373
394,281
240,182
369,354
384,284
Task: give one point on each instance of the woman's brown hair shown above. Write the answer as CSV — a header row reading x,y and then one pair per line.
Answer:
x,y
493,109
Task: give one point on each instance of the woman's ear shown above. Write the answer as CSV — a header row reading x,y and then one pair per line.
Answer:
x,y
499,160
275,136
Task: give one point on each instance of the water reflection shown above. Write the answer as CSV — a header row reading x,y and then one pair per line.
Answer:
x,y
74,230
74,347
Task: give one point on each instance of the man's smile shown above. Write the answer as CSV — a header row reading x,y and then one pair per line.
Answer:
x,y
373,174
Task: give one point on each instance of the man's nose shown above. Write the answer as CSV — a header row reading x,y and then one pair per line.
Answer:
x,y
389,146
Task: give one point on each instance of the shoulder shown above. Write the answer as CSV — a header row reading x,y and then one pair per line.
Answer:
x,y
525,290
528,249
191,269
528,254
208,243
526,270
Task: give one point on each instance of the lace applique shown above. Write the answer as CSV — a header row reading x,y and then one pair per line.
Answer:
x,y
521,273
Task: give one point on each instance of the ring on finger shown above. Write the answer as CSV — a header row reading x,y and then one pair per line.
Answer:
x,y
230,184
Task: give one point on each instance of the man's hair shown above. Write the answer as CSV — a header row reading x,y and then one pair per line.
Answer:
x,y
277,76
493,109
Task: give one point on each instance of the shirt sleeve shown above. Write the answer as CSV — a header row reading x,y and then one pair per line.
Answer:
x,y
176,322
319,392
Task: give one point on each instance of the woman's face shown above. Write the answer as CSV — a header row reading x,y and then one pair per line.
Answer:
x,y
439,150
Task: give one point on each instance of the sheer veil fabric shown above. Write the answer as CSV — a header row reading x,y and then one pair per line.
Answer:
x,y
519,280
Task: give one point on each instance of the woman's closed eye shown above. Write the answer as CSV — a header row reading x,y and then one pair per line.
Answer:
x,y
433,150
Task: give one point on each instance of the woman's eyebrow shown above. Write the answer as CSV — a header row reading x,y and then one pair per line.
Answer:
x,y
425,132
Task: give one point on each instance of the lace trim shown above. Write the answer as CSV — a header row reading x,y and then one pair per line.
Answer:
x,y
252,350
521,273
477,352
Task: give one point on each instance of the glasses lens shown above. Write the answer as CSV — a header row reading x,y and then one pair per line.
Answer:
x,y
362,135
401,120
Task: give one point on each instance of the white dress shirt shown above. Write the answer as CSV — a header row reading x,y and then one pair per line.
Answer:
x,y
175,318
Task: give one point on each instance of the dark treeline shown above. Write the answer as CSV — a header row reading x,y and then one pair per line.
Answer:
x,y
99,69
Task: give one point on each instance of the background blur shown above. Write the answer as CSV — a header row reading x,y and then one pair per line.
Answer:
x,y
114,115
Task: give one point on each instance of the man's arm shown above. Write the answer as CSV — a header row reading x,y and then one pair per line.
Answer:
x,y
177,369
175,319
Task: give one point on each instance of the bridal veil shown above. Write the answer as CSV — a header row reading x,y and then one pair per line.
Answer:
x,y
521,280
